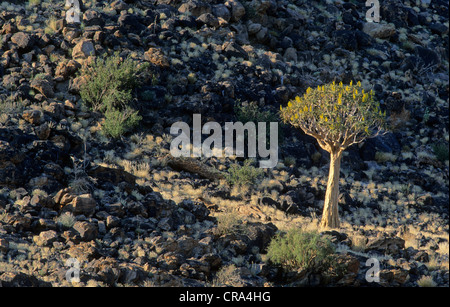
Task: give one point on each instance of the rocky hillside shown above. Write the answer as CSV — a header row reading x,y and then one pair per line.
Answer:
x,y
132,215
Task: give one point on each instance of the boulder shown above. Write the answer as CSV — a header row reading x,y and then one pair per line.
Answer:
x,y
195,7
378,30
46,238
23,40
157,57
87,231
83,49
236,8
82,204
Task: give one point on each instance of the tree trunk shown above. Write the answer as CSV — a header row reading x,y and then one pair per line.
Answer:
x,y
330,216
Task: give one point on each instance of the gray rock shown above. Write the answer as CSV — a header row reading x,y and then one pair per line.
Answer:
x,y
379,30
23,40
46,238
83,49
87,231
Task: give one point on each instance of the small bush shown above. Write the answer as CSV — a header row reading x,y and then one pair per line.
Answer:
x,y
230,224
118,122
228,275
252,113
441,152
426,281
109,82
243,175
108,88
296,250
66,220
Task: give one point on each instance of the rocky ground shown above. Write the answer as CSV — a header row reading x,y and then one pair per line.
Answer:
x,y
132,216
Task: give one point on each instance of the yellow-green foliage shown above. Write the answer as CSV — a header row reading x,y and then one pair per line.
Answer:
x,y
336,113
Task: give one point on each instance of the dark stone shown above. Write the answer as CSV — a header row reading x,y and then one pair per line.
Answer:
x,y
131,23
382,143
346,39
427,56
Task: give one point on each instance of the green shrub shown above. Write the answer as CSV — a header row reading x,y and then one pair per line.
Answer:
x,y
230,224
243,175
441,152
118,122
297,249
109,83
252,113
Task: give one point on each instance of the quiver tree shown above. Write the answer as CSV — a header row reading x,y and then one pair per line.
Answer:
x,y
337,116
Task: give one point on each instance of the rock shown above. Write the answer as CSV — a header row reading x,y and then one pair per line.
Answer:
x,y
427,56
42,200
43,86
393,277
119,5
86,230
157,57
84,251
388,245
208,19
112,175
19,279
290,55
348,269
383,143
253,28
34,117
46,238
232,49
131,23
346,39
82,204
195,7
260,234
93,18
236,8
66,69
42,131
378,30
23,40
221,11
439,28
83,49
4,245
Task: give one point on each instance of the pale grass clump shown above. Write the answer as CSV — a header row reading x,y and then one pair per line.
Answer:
x,y
228,275
426,281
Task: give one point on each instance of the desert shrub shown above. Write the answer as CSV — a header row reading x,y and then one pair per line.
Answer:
x,y
109,82
230,224
66,220
228,275
441,151
250,112
118,122
108,88
298,250
243,175
426,281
